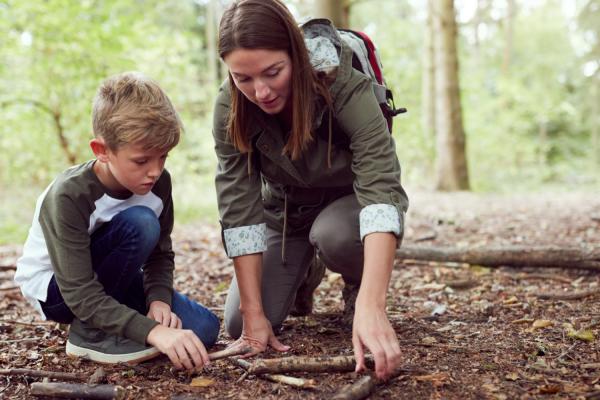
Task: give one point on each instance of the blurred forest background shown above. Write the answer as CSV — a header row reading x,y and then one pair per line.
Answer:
x,y
528,80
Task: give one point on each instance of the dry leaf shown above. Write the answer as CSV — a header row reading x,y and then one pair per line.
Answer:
x,y
586,335
582,334
428,340
522,321
513,376
541,323
201,382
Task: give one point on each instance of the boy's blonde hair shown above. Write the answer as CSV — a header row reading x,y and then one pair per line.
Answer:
x,y
131,108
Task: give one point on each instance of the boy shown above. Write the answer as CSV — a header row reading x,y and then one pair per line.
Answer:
x,y
98,254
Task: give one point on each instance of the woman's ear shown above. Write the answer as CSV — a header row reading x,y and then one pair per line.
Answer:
x,y
100,149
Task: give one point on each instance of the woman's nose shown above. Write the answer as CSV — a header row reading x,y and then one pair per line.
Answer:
x,y
261,90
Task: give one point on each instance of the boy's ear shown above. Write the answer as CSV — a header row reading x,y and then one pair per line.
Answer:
x,y
100,149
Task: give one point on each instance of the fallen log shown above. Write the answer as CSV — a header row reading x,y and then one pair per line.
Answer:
x,y
78,391
511,256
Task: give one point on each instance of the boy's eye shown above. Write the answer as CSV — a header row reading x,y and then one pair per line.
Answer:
x,y
140,162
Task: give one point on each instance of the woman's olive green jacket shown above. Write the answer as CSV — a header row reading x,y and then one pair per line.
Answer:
x,y
282,192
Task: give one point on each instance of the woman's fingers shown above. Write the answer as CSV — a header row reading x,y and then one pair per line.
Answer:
x,y
359,353
277,345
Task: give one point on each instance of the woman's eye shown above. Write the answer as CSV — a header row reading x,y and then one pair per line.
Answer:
x,y
273,73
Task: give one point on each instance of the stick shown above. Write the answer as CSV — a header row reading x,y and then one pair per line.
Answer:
x,y
33,323
6,289
78,391
361,389
514,256
365,386
229,352
568,296
303,364
9,267
543,276
36,373
288,380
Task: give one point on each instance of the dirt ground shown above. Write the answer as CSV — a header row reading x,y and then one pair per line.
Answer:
x,y
493,338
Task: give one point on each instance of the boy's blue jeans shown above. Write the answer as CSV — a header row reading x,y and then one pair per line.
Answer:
x,y
119,249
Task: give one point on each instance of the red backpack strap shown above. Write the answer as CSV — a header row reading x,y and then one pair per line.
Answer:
x,y
372,56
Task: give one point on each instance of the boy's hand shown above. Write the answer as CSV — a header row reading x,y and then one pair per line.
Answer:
x,y
182,346
161,312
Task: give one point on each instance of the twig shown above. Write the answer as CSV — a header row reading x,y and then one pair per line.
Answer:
x,y
366,385
461,283
78,391
534,275
303,364
361,389
288,380
97,377
591,366
19,340
6,289
36,373
568,296
7,267
32,323
229,352
567,351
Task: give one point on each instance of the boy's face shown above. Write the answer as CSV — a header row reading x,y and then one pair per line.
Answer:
x,y
130,168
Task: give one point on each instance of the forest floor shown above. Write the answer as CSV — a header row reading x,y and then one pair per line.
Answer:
x,y
495,338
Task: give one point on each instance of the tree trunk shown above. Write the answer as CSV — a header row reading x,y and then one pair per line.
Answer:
x,y
596,122
508,44
335,10
513,256
211,44
451,162
428,90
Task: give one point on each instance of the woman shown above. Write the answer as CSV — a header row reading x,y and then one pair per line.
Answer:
x,y
306,165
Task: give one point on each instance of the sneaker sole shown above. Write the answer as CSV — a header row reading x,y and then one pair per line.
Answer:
x,y
130,358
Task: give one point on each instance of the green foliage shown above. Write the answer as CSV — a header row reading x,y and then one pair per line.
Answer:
x,y
528,126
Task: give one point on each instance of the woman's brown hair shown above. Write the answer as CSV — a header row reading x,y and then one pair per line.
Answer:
x,y
268,24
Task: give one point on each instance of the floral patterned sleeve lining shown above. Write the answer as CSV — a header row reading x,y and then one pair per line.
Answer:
x,y
245,240
379,218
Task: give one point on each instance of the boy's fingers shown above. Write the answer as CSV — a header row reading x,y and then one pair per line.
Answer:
x,y
201,349
174,359
194,353
183,356
173,321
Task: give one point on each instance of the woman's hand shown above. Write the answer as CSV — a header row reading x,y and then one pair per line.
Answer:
x,y
372,329
161,312
258,335
182,346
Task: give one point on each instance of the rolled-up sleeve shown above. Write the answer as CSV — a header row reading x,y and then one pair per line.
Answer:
x,y
374,161
238,191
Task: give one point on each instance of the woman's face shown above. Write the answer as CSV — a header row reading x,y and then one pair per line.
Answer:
x,y
263,76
